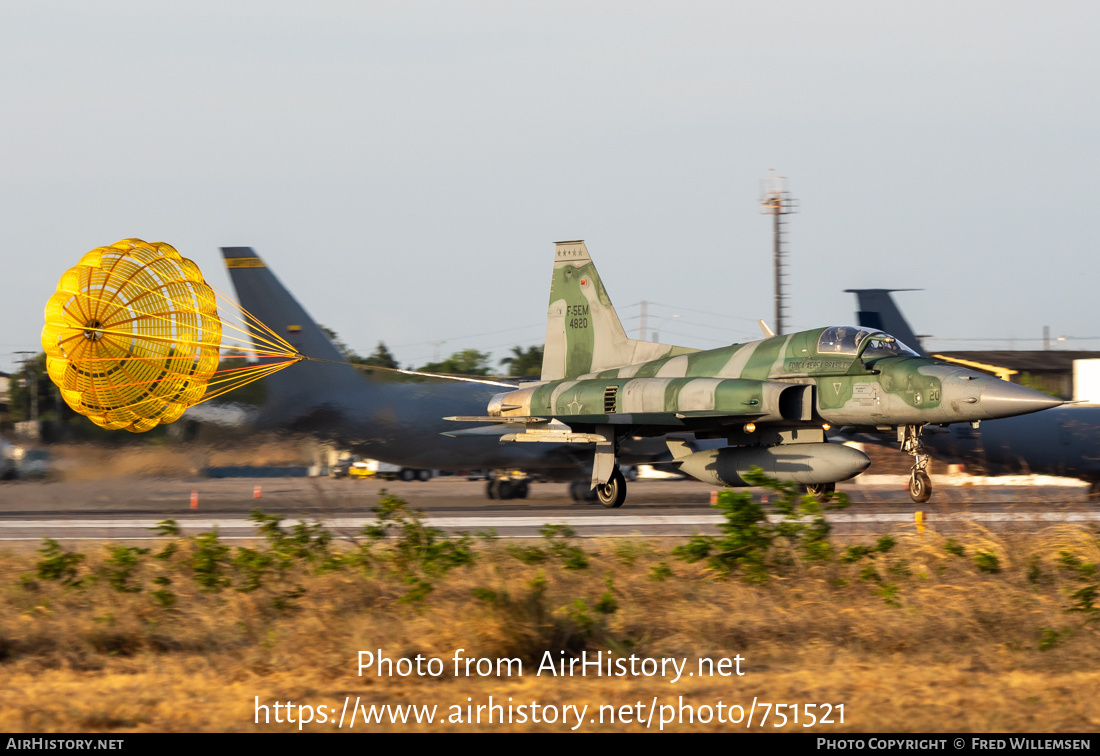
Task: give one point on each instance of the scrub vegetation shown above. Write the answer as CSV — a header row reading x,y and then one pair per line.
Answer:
x,y
912,632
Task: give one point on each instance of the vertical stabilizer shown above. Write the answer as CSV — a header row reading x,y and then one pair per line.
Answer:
x,y
877,310
583,332
262,294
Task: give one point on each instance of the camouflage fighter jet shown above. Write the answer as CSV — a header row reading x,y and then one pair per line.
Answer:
x,y
771,400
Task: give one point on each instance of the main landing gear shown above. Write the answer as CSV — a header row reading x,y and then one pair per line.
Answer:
x,y
920,485
607,479
820,491
507,488
611,494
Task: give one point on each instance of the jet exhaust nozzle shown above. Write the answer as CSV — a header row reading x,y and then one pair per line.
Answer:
x,y
790,463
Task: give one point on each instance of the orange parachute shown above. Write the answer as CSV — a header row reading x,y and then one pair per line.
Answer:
x,y
134,335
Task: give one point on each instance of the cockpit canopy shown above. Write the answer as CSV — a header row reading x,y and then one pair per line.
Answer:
x,y
848,339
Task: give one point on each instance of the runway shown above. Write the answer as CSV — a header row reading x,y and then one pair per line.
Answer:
x,y
128,509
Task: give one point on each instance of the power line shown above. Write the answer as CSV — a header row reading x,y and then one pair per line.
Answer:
x,y
471,336
689,309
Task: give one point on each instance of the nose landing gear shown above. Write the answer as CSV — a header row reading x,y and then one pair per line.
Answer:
x,y
820,491
920,485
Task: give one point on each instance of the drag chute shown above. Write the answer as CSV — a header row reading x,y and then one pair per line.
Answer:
x,y
134,336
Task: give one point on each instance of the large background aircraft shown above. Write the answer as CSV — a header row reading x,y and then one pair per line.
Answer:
x,y
1061,441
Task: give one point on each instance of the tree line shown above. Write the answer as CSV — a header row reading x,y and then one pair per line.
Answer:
x,y
523,362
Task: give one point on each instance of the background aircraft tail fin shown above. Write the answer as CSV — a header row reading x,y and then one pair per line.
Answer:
x,y
583,331
264,296
877,310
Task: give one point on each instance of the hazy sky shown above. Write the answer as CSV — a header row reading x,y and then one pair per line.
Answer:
x,y
405,167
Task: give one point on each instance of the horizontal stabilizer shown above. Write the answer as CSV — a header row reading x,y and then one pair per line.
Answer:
x,y
481,430
516,419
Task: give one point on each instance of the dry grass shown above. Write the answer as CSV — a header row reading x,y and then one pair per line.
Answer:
x,y
928,642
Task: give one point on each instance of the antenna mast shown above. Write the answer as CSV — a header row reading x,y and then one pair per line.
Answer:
x,y
777,202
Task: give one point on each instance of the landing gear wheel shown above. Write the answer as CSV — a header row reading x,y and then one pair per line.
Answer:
x,y
408,474
820,491
520,490
423,475
920,487
506,489
612,494
491,489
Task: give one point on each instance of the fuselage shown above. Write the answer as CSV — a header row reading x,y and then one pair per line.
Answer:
x,y
854,377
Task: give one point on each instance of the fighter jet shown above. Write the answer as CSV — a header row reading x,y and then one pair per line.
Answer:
x,y
1064,441
770,400
392,415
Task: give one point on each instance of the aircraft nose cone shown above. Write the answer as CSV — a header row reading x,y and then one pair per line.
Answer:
x,y
1004,399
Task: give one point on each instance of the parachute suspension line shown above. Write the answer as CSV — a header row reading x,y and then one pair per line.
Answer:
x,y
254,323
357,365
279,347
181,342
237,377
253,374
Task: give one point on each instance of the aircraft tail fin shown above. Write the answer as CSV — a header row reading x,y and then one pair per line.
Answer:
x,y
583,332
877,310
264,296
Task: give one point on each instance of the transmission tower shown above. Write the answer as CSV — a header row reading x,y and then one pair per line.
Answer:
x,y
777,202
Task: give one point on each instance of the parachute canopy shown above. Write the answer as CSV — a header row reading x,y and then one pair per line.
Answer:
x,y
133,337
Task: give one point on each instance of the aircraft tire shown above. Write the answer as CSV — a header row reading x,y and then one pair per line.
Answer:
x,y
820,491
423,475
521,490
612,494
920,487
408,474
506,490
491,488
